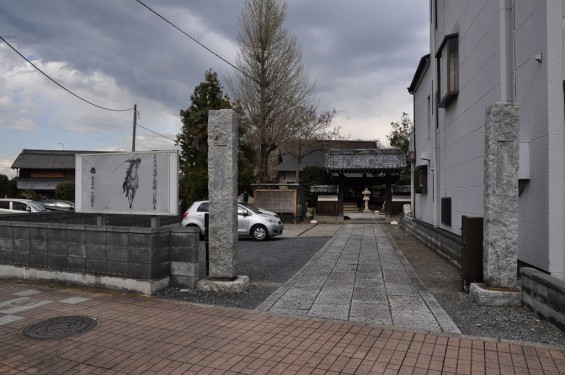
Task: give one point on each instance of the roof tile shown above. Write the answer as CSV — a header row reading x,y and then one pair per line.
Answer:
x,y
365,160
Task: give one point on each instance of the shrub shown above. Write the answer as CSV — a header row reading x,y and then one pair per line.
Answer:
x,y
65,191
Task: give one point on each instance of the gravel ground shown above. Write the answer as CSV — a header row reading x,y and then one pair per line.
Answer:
x,y
442,280
268,264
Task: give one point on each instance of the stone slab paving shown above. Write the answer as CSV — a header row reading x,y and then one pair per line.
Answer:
x,y
148,336
361,275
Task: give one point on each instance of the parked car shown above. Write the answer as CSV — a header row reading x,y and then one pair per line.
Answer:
x,y
250,221
263,211
15,205
58,205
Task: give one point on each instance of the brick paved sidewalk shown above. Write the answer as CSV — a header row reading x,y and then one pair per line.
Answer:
x,y
143,335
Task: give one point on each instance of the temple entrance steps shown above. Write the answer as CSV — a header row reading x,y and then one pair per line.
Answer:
x,y
350,207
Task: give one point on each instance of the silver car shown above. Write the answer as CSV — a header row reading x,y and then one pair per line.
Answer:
x,y
16,206
250,221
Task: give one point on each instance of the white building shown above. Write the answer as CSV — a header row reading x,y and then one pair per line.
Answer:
x,y
482,52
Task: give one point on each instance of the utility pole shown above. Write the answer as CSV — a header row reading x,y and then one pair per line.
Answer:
x,y
134,127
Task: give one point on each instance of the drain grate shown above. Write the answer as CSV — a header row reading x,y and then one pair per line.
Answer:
x,y
60,327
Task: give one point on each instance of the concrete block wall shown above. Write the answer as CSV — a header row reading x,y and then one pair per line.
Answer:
x,y
183,249
71,217
441,241
544,295
124,256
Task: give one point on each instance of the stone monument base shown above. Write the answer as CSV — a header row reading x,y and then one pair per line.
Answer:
x,y
496,296
238,285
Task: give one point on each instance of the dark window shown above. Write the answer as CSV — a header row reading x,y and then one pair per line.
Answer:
x,y
5,204
421,179
446,211
429,118
18,206
448,63
434,10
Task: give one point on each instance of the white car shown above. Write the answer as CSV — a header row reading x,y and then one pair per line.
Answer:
x,y
16,206
250,222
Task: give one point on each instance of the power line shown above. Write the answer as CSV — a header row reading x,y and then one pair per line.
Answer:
x,y
243,72
58,84
200,43
154,132
76,95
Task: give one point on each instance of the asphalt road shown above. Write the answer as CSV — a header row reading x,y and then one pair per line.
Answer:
x,y
268,264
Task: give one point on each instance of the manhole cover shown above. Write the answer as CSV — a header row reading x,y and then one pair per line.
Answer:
x,y
60,327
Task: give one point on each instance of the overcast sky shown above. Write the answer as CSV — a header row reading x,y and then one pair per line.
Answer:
x,y
362,54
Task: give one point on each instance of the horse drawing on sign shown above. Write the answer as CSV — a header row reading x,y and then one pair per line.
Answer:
x,y
131,181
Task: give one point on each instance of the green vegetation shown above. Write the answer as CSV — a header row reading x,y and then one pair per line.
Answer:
x,y
65,191
313,175
193,140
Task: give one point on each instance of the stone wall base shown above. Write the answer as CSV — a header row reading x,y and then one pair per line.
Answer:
x,y
147,287
544,295
442,242
488,297
329,219
240,284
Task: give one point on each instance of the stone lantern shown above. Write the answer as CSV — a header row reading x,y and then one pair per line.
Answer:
x,y
366,198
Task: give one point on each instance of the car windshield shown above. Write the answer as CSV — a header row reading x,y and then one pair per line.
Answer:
x,y
37,206
250,207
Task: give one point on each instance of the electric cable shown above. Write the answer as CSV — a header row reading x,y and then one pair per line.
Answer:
x,y
200,43
244,73
154,132
58,84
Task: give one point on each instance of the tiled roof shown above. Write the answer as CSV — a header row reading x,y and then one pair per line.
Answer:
x,y
48,159
324,189
401,189
39,183
365,160
314,152
313,158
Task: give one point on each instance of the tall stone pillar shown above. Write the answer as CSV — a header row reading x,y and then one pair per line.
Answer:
x,y
222,191
500,243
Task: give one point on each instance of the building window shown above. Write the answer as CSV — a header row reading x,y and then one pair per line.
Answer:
x,y
41,173
421,179
429,118
448,74
446,211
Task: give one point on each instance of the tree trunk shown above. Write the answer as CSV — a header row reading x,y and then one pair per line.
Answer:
x,y
264,163
298,160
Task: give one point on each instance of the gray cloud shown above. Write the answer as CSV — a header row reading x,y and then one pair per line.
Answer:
x,y
362,53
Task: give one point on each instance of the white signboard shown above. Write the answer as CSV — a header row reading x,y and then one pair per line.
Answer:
x,y
142,183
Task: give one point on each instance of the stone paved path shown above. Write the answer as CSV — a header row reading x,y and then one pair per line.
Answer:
x,y
361,275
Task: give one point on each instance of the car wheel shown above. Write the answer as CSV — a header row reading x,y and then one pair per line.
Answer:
x,y
259,233
200,235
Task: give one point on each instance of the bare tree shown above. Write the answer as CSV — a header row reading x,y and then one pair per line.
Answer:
x,y
271,85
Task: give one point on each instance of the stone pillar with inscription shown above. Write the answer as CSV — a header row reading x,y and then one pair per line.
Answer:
x,y
500,225
222,191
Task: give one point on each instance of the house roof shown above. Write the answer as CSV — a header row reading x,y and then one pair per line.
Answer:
x,y
422,67
314,154
48,159
365,160
39,183
316,157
